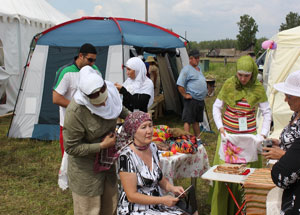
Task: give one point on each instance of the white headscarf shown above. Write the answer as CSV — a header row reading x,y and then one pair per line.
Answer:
x,y
89,80
141,84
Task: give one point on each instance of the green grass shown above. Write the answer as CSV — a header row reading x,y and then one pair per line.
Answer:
x,y
29,168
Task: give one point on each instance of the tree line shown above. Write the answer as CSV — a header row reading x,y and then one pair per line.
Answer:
x,y
246,38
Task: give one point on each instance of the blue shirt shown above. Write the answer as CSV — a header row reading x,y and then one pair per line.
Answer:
x,y
193,82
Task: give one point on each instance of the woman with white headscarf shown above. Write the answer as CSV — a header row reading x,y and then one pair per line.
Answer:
x,y
89,126
138,89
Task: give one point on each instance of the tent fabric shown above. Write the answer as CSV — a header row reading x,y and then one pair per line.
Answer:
x,y
38,11
113,31
35,114
19,22
114,63
27,109
172,98
278,65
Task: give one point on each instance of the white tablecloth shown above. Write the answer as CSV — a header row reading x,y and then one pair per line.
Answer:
x,y
231,178
273,203
185,165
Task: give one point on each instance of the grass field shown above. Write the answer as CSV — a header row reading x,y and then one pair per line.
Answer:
x,y
29,168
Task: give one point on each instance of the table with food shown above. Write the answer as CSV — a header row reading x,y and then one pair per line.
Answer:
x,y
181,154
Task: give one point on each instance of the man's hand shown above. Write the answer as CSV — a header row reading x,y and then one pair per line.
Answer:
x,y
59,99
187,96
183,93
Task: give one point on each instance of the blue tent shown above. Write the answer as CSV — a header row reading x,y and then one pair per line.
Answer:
x,y
101,31
116,40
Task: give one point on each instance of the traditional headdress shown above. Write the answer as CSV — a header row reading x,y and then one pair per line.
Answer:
x,y
233,91
130,126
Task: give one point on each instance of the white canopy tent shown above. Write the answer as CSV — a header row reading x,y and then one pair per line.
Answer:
x,y
20,20
279,63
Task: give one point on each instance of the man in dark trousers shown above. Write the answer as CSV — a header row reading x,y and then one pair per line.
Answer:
x,y
192,86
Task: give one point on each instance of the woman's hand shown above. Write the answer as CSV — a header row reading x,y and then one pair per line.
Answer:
x,y
108,141
118,86
273,153
169,200
222,131
275,142
177,190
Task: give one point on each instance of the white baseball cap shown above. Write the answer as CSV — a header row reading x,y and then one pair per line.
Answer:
x,y
291,85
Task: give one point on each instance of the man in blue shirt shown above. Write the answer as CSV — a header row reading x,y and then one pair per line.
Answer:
x,y
192,86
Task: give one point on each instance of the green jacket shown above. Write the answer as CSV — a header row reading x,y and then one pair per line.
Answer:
x,y
82,134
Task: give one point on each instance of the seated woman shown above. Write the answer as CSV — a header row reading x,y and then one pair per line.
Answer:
x,y
140,174
138,89
291,89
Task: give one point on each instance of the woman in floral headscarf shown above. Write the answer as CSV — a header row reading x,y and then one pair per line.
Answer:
x,y
140,174
241,95
138,89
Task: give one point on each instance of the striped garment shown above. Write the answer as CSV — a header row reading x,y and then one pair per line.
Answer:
x,y
232,115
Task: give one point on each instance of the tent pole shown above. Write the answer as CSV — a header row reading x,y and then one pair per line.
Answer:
x,y
122,43
146,10
32,45
123,73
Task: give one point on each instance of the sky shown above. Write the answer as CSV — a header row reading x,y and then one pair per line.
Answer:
x,y
196,20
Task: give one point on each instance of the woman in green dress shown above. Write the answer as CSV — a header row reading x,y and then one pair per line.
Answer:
x,y
240,95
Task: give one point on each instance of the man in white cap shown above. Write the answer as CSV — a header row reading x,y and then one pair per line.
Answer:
x,y
90,122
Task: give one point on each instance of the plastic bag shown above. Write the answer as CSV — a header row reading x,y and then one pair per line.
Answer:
x,y
63,173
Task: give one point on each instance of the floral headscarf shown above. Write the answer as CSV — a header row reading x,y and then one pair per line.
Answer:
x,y
130,126
233,91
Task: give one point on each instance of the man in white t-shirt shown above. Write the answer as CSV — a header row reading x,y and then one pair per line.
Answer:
x,y
66,81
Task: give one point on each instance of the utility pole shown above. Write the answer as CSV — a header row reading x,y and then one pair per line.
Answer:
x,y
146,10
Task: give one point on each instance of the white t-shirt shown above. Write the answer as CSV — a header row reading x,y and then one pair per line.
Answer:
x,y
67,87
